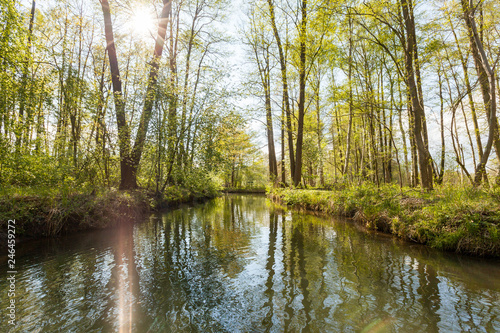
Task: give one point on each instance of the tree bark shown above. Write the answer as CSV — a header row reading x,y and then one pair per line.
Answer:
x,y
319,128
283,169
172,140
273,167
128,178
284,80
302,89
130,159
151,87
21,131
349,78
440,177
487,80
424,157
403,135
469,94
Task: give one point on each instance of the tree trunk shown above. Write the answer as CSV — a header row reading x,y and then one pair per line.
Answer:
x,y
440,177
424,157
349,78
273,168
284,80
172,140
319,133
487,81
128,178
20,132
283,169
403,135
151,87
469,94
129,159
302,89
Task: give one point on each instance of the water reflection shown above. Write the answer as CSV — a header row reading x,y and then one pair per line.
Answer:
x,y
238,264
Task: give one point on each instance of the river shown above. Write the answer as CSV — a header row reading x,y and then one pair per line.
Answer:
x,y
240,264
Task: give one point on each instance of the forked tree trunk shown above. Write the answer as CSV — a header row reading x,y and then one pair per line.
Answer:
x,y
151,87
127,176
487,82
130,158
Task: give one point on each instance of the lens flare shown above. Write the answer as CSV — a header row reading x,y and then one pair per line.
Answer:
x,y
142,22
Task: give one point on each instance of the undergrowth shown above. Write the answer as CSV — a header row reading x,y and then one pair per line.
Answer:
x,y
465,220
47,211
46,215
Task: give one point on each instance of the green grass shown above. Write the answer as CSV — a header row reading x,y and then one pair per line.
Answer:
x,y
244,189
47,212
464,220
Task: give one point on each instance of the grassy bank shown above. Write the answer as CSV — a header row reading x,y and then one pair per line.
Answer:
x,y
48,213
254,190
463,220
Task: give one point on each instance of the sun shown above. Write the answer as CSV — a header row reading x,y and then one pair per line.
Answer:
x,y
142,22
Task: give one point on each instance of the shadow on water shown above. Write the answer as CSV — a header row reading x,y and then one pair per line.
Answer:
x,y
239,264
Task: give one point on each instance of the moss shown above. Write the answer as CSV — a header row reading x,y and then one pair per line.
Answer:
x,y
465,220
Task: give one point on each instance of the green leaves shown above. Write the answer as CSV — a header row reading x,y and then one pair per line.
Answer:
x,y
448,219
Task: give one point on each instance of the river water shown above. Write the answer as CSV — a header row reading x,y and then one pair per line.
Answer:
x,y
240,264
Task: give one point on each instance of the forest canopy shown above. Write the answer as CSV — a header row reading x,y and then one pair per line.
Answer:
x,y
114,93
117,93
381,91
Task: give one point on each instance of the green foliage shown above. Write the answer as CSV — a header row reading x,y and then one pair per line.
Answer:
x,y
35,170
49,214
464,219
45,211
201,183
57,123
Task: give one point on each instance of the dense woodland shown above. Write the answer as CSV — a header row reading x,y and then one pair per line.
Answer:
x,y
401,92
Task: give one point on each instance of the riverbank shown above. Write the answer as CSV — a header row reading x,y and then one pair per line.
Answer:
x,y
463,220
49,215
244,190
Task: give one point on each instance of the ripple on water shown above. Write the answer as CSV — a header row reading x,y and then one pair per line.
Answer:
x,y
236,264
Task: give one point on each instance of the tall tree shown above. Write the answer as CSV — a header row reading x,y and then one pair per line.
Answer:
x,y
487,82
130,158
284,80
410,51
297,176
128,180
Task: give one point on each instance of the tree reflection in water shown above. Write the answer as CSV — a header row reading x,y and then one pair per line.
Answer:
x,y
239,264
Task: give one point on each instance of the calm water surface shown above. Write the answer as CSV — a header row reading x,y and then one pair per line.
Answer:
x,y
239,264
